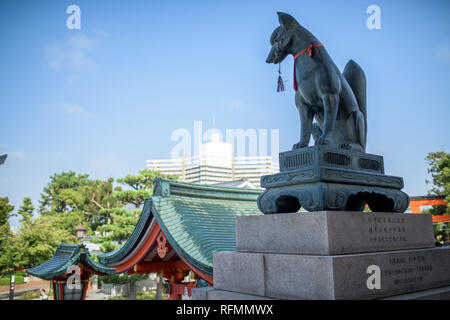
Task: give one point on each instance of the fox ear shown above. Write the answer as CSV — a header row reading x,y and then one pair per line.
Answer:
x,y
287,21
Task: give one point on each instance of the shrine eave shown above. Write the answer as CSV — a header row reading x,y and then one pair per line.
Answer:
x,y
66,256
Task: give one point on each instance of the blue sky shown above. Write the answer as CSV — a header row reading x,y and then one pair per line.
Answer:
x,y
103,99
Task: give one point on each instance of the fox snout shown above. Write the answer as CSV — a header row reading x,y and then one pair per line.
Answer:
x,y
271,56
276,54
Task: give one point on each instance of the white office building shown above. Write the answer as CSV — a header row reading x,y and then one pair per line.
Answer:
x,y
215,164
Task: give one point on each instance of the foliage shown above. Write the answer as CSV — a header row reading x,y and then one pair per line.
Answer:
x,y
141,186
134,197
108,246
26,210
149,295
77,199
29,295
35,243
123,278
101,198
5,214
6,281
36,240
141,295
62,192
5,210
441,233
439,168
68,221
10,273
119,297
436,209
144,180
122,226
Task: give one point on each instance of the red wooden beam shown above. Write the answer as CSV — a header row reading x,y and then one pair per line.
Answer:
x,y
416,204
178,289
158,266
140,254
441,218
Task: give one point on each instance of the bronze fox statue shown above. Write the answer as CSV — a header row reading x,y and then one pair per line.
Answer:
x,y
335,100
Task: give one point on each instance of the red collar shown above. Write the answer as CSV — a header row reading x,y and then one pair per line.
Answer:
x,y
309,50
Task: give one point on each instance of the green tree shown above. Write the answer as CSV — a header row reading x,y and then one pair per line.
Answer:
x,y
63,194
5,210
439,169
441,233
26,210
141,187
5,214
35,243
121,228
74,199
100,195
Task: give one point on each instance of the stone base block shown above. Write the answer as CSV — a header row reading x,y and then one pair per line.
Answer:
x,y
431,294
200,293
333,232
212,294
239,272
351,276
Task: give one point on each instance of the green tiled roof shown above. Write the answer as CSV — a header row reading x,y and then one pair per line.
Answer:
x,y
197,220
66,256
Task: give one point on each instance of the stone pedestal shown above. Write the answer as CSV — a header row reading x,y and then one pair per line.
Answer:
x,y
332,255
323,178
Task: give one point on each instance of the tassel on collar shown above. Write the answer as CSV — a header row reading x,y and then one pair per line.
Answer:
x,y
280,86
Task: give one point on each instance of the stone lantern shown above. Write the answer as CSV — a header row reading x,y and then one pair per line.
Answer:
x,y
80,231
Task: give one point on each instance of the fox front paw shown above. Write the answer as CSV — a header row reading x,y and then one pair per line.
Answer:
x,y
322,140
299,145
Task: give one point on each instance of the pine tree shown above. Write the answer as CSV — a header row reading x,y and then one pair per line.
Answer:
x,y
26,210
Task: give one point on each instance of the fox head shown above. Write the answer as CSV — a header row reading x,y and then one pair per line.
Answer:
x,y
281,38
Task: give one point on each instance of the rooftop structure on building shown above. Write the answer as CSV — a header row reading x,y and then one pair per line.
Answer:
x,y
241,183
216,163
